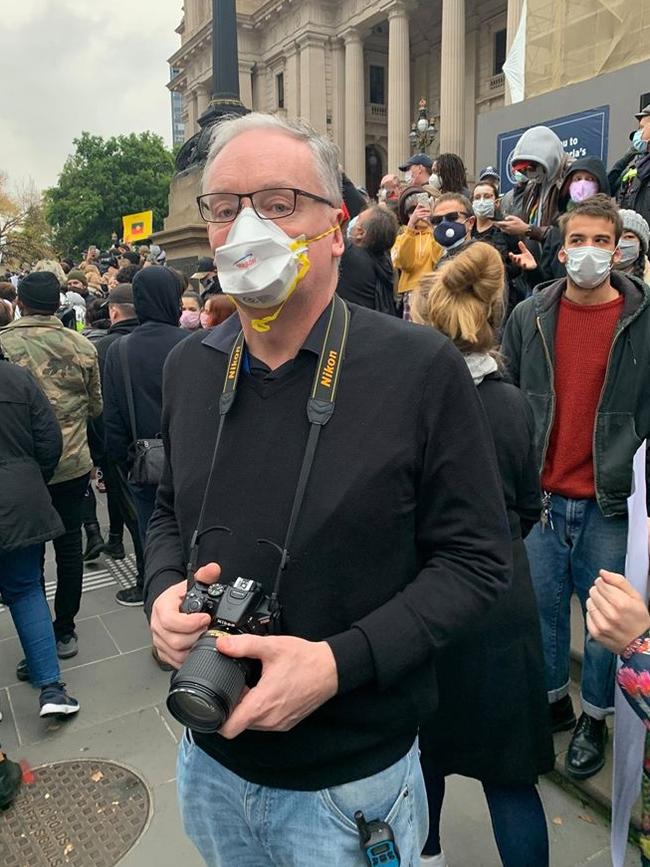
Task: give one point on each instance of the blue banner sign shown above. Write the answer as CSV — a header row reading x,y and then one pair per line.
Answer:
x,y
582,134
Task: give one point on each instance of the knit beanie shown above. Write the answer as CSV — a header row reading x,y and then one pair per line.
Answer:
x,y
40,292
633,222
76,274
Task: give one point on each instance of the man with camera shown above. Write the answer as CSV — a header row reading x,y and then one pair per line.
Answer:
x,y
331,485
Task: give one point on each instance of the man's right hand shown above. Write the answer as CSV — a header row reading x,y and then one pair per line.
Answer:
x,y
420,217
175,633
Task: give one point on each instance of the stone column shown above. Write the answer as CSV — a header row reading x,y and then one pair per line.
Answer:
x,y
202,99
338,94
355,109
192,113
313,97
399,87
246,83
514,16
292,80
452,77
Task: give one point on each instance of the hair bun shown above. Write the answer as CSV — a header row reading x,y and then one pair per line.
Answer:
x,y
469,269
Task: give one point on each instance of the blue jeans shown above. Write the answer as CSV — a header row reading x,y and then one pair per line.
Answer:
x,y
20,585
565,559
234,823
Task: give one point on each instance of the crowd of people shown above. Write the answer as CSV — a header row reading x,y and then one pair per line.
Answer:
x,y
470,478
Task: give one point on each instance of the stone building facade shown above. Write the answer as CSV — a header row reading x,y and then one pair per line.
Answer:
x,y
356,69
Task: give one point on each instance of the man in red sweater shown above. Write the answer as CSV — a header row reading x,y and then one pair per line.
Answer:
x,y
579,348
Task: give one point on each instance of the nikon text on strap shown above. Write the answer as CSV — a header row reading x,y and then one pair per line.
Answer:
x,y
320,408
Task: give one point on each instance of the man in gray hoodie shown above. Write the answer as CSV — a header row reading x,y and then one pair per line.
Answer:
x,y
540,156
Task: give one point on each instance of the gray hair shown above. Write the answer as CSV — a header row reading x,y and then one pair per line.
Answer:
x,y
326,157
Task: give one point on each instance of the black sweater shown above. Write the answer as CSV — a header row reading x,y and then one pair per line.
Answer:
x,y
402,540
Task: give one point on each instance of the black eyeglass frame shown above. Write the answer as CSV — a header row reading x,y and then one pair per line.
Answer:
x,y
436,219
296,192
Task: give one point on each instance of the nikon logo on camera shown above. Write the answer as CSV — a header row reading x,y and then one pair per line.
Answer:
x,y
329,368
234,364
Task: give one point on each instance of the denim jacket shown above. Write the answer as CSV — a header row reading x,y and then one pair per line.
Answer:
x,y
623,414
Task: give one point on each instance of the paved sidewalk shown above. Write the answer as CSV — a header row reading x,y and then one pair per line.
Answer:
x,y
123,718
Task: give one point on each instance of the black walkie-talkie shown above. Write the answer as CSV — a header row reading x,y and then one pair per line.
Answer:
x,y
377,841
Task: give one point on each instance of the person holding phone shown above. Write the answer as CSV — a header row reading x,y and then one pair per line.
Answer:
x,y
415,252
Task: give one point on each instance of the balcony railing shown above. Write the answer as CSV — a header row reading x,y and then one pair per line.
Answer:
x,y
375,112
497,82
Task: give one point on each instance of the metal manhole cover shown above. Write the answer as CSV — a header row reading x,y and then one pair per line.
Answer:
x,y
85,814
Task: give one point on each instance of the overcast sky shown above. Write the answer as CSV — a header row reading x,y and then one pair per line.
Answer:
x,y
73,65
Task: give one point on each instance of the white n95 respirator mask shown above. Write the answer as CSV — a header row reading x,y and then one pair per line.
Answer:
x,y
260,265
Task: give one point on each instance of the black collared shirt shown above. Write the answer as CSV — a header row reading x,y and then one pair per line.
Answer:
x,y
223,337
401,542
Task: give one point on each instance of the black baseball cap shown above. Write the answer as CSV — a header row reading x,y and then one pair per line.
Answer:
x,y
204,267
489,172
645,112
417,160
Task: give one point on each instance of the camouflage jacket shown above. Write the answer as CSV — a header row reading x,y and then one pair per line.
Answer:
x,y
65,365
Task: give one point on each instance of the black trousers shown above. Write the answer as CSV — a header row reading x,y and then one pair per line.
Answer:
x,y
67,499
118,488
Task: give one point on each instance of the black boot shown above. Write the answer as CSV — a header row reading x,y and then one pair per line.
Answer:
x,y
94,542
10,779
563,718
586,755
114,547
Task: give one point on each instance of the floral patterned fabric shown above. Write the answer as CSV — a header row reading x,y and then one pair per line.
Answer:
x,y
634,680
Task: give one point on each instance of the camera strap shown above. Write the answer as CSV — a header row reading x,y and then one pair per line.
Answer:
x,y
320,408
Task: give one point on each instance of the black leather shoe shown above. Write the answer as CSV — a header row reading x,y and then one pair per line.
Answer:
x,y
94,543
586,755
10,779
563,718
114,547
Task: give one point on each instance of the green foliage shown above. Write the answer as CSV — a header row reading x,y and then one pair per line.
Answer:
x,y
101,182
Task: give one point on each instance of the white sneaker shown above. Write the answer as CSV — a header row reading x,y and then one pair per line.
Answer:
x,y
433,860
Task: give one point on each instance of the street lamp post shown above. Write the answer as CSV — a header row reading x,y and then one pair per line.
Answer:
x,y
224,99
424,130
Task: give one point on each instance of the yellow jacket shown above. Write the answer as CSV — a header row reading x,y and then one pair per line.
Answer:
x,y
414,253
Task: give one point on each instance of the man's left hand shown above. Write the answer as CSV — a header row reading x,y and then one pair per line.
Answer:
x,y
298,676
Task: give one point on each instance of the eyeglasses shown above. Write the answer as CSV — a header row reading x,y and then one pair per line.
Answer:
x,y
271,204
452,216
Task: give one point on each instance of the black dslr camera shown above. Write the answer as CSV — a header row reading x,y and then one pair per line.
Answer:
x,y
204,691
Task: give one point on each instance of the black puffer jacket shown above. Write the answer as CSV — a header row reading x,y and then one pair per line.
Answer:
x,y
30,448
156,296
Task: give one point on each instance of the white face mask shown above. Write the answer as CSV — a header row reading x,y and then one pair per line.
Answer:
x,y
408,178
588,267
260,265
434,181
483,207
629,252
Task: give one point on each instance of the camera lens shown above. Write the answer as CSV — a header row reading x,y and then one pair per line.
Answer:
x,y
206,688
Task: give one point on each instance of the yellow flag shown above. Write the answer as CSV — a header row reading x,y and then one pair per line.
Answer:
x,y
137,227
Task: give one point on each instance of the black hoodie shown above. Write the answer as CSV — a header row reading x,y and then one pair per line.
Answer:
x,y
550,267
156,296
366,278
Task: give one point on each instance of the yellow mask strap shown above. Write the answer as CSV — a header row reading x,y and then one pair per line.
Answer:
x,y
264,323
